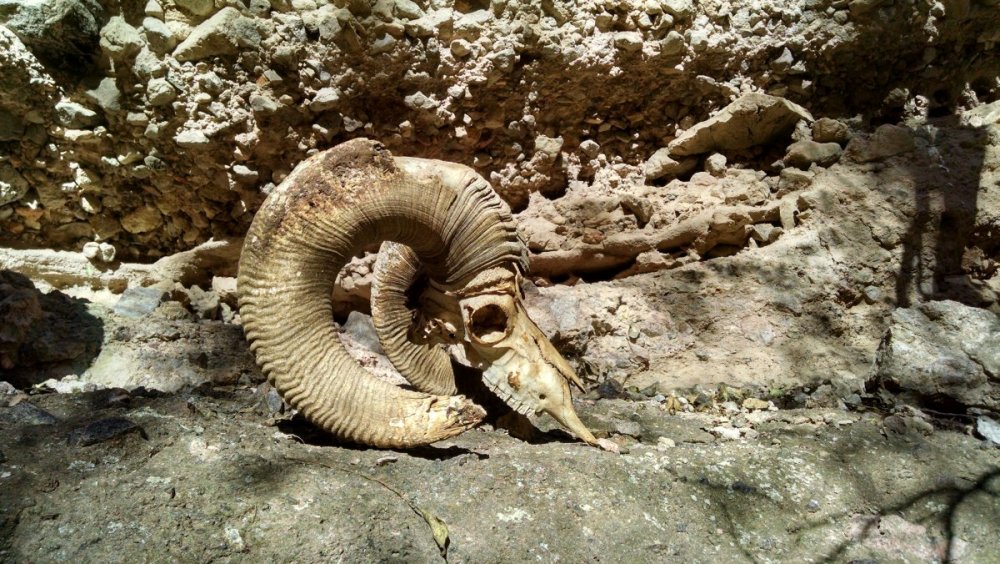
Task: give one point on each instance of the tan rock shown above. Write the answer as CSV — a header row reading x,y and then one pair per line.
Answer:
x,y
753,119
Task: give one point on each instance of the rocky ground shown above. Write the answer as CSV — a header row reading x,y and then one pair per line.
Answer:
x,y
214,474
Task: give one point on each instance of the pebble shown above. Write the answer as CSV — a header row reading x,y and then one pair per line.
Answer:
x,y
813,506
872,294
274,401
716,165
755,403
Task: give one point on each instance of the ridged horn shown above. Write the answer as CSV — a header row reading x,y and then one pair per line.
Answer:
x,y
426,366
333,204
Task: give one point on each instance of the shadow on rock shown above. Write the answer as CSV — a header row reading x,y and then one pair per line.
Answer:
x,y
43,335
307,433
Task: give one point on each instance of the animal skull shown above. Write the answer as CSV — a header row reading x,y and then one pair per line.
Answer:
x,y
489,320
452,227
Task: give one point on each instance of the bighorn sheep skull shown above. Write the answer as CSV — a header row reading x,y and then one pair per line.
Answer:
x,y
458,234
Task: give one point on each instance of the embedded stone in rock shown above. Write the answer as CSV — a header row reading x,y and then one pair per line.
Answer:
x,y
826,130
103,252
76,116
204,304
662,165
263,104
161,39
13,186
673,44
802,154
159,92
716,165
62,33
142,220
548,147
754,119
138,302
106,95
120,40
628,41
225,33
196,7
680,9
989,429
191,139
940,349
325,99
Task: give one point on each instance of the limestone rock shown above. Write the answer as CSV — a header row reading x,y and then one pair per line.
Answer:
x,y
106,95
120,40
945,349
887,141
225,33
62,33
76,116
159,92
826,130
13,186
661,165
196,7
802,154
142,220
753,119
325,99
160,38
191,139
715,165
137,302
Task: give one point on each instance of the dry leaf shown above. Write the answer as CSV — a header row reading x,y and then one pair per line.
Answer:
x,y
439,529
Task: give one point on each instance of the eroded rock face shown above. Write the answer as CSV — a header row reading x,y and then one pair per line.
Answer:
x,y
196,110
942,350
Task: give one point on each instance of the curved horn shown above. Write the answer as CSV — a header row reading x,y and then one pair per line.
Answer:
x,y
330,206
426,366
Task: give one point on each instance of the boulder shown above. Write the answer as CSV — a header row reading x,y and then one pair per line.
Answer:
x,y
61,33
753,119
662,165
802,154
942,350
826,130
225,33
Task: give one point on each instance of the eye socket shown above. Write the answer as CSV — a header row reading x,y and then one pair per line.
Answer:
x,y
489,324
